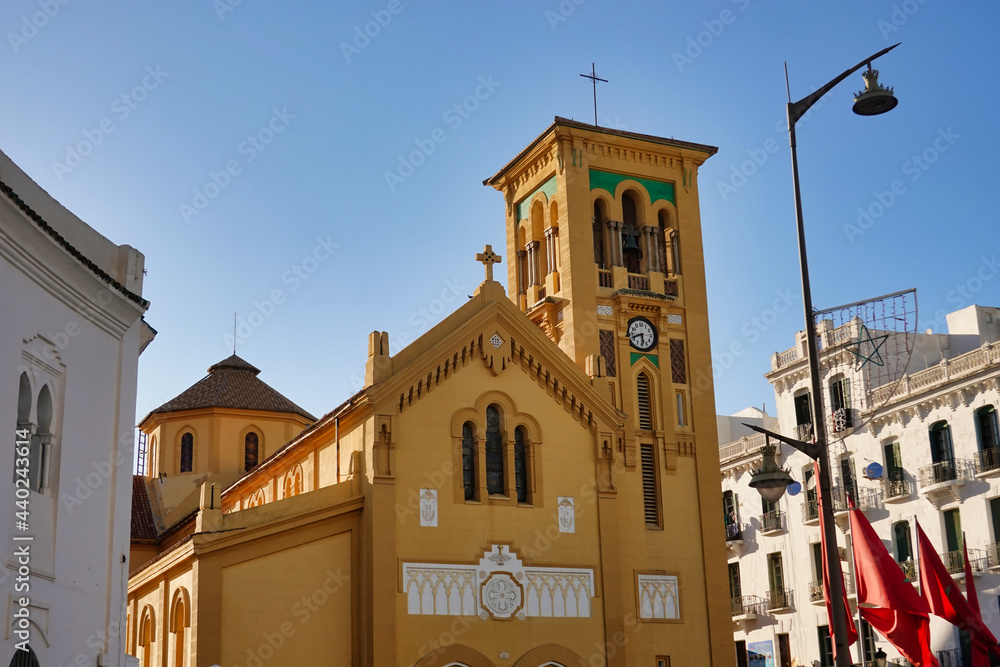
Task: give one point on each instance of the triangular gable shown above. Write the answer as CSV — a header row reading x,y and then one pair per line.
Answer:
x,y
489,329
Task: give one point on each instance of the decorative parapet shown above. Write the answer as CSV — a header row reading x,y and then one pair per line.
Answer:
x,y
962,366
500,587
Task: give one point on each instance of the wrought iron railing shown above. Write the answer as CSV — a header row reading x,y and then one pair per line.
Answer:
x,y
894,484
746,605
638,282
804,432
954,561
951,657
770,521
810,510
864,499
988,459
993,554
944,471
733,532
779,599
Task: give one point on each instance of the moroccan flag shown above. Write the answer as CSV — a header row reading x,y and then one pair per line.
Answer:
x,y
902,615
852,631
943,595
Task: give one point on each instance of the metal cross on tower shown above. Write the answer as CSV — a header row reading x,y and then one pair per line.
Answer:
x,y
488,258
594,78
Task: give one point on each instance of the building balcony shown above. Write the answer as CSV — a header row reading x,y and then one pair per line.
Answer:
x,y
951,657
804,432
771,523
954,561
638,281
816,589
909,568
810,511
779,600
746,608
734,537
864,499
993,556
895,486
944,478
988,462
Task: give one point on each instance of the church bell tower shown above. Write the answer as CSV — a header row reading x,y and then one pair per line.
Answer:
x,y
605,255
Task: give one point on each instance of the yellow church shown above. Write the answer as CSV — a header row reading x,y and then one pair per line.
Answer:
x,y
533,482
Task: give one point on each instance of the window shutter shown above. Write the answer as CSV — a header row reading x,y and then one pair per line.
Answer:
x,y
645,414
651,507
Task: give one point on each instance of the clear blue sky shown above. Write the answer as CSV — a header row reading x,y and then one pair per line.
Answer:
x,y
332,111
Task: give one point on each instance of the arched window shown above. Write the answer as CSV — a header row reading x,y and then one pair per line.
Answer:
x,y
631,251
250,453
520,465
24,658
989,440
179,621
494,452
469,460
901,541
644,401
151,466
147,635
187,452
293,482
941,450
598,228
24,401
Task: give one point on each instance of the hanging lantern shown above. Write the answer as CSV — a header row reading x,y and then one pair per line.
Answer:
x,y
875,99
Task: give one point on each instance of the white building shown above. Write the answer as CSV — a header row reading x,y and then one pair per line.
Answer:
x,y
930,452
71,332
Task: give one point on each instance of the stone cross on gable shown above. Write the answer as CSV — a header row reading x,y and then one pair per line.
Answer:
x,y
488,258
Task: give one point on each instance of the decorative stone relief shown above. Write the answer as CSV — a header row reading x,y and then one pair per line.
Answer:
x,y
500,587
567,515
658,597
429,507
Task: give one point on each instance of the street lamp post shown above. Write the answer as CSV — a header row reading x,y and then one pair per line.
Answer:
x,y
875,99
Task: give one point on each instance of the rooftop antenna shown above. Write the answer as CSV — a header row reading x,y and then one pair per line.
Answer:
x,y
594,78
234,333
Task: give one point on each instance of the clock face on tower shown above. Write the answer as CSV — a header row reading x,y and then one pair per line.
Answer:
x,y
642,334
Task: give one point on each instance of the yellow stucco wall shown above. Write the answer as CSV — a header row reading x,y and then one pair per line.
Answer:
x,y
288,607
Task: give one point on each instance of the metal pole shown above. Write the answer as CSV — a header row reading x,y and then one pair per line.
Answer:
x,y
841,647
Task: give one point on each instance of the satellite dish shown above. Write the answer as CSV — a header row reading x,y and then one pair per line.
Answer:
x,y
811,483
873,471
794,488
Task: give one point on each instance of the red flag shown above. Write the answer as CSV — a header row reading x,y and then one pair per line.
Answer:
x,y
903,617
981,645
943,595
852,631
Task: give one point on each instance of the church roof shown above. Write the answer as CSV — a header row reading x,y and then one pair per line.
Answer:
x,y
566,122
143,524
232,383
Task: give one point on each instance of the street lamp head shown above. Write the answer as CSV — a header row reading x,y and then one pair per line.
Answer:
x,y
875,99
770,480
880,658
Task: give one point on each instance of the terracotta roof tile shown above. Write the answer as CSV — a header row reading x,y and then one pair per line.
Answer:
x,y
143,525
232,383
